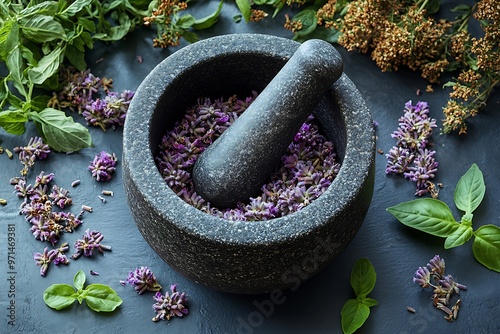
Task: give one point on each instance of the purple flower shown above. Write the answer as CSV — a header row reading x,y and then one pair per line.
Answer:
x,y
410,157
170,306
35,149
44,259
43,179
60,256
22,189
142,279
109,112
437,265
308,168
103,166
422,277
78,88
90,240
60,197
71,222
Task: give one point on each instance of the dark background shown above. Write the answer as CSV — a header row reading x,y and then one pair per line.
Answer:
x,y
395,250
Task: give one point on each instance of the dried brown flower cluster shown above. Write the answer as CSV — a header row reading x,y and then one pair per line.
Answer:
x,y
326,14
400,33
162,16
257,15
397,34
480,67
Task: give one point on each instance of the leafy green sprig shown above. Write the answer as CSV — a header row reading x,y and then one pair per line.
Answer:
x,y
435,217
355,311
37,37
98,297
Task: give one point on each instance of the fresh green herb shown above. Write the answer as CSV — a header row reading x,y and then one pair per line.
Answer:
x,y
435,217
355,311
98,297
36,37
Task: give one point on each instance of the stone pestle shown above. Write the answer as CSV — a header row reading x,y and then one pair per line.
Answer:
x,y
238,163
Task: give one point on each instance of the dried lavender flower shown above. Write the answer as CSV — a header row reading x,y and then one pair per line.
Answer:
x,y
142,279
170,306
43,179
410,156
103,166
35,150
44,259
60,256
90,240
60,197
308,169
444,287
109,112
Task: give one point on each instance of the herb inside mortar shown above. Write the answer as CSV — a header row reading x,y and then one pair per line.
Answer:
x,y
435,217
308,167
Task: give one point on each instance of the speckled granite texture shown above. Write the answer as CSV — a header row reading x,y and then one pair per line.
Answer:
x,y
243,257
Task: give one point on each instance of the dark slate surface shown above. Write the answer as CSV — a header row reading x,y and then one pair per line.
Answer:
x,y
314,307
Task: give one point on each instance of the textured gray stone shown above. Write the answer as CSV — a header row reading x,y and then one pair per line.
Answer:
x,y
240,161
243,257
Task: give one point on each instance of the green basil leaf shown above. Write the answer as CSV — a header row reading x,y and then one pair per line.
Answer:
x,y
368,301
185,21
190,36
60,132
13,121
486,246
119,31
433,6
42,28
79,280
45,7
101,298
208,21
470,190
363,277
354,315
9,38
461,8
245,9
59,296
76,57
76,6
308,19
459,237
39,102
87,24
426,214
47,66
15,65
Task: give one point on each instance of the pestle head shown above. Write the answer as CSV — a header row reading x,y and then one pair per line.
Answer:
x,y
236,165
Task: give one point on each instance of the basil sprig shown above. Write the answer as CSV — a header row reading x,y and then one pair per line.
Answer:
x,y
435,217
355,311
98,297
37,37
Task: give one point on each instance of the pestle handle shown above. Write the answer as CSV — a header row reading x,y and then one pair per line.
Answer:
x,y
236,165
